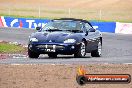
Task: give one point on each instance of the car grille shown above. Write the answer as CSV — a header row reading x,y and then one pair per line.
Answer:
x,y
50,46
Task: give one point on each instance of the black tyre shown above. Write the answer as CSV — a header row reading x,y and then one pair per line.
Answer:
x,y
32,54
52,55
98,51
81,51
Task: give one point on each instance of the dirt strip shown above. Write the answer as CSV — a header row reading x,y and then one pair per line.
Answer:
x,y
57,76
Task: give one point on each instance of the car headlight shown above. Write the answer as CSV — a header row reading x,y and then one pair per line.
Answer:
x,y
33,40
70,41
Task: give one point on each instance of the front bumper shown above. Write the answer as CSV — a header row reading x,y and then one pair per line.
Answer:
x,y
59,48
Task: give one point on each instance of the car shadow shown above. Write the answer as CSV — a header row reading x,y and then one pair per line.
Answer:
x,y
61,57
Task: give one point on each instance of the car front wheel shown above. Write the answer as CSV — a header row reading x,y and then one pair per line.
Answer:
x,y
32,54
81,51
98,51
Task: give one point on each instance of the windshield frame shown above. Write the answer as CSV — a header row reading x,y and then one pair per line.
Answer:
x,y
76,26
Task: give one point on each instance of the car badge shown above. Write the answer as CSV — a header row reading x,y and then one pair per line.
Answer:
x,y
50,41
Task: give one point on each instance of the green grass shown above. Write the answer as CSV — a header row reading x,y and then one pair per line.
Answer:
x,y
92,15
11,48
35,17
46,17
20,16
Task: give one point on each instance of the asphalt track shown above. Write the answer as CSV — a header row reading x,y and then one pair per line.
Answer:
x,y
117,48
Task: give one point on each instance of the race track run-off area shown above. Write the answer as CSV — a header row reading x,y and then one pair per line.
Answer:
x,y
117,48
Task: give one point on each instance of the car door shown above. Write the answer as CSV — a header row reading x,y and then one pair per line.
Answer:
x,y
90,37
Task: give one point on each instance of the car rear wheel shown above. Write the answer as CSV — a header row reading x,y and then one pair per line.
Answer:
x,y
98,51
81,51
32,54
52,55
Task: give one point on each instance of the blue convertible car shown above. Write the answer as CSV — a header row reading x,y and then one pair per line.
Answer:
x,y
65,36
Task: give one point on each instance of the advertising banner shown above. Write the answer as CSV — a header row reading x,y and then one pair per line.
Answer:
x,y
23,22
1,23
105,26
112,27
125,28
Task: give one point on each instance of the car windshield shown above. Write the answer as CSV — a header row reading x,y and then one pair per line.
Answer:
x,y
62,25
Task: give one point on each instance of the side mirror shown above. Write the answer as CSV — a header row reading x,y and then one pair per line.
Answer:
x,y
38,28
91,30
86,33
